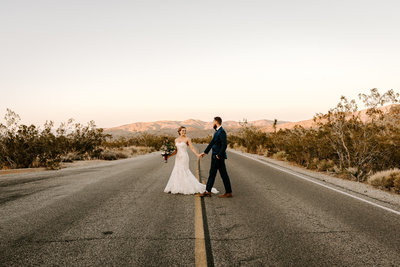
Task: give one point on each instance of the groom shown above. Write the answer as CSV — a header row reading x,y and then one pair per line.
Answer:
x,y
218,144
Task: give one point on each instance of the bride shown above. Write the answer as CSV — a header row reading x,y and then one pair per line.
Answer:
x,y
182,179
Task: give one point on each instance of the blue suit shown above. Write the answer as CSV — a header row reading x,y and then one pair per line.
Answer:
x,y
218,145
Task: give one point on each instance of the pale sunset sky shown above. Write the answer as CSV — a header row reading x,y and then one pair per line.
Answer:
x,y
118,62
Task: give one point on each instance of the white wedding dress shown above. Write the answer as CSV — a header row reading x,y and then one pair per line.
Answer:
x,y
182,180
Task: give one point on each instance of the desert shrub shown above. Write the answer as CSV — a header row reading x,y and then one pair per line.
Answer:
x,y
237,147
386,179
322,165
235,141
252,138
281,155
343,140
325,165
24,146
52,164
249,139
261,150
396,184
140,140
121,155
313,164
67,158
202,140
145,150
108,155
367,145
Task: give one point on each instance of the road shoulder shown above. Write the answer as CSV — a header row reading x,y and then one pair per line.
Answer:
x,y
74,164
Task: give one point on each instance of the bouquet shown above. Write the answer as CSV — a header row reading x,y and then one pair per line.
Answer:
x,y
167,149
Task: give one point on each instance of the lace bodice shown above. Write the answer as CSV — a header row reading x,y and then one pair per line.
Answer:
x,y
182,156
181,146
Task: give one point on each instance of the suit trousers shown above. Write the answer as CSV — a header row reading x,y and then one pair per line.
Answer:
x,y
218,165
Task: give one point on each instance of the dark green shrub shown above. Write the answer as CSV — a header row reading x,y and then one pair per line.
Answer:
x,y
23,146
108,155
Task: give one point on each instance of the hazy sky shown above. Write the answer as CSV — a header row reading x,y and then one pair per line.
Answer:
x,y
118,62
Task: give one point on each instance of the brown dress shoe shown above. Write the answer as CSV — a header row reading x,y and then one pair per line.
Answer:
x,y
225,195
205,194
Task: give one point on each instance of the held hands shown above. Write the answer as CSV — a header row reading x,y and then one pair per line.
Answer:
x,y
202,155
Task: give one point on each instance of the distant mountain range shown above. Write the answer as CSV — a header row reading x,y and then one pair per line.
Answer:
x,y
195,128
198,128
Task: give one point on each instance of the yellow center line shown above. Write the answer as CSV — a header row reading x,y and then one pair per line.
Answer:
x,y
200,244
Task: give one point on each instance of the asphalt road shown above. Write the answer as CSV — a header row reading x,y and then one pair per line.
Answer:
x,y
117,214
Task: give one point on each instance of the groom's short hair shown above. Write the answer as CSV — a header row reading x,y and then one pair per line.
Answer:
x,y
218,119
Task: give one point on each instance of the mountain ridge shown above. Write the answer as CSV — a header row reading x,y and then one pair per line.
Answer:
x,y
199,128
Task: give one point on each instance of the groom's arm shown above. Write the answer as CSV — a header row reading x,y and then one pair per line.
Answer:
x,y
208,148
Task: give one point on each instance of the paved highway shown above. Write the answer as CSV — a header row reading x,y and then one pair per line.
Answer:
x,y
116,213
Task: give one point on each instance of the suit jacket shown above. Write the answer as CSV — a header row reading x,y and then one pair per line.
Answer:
x,y
218,144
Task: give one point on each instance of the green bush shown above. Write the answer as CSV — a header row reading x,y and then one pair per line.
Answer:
x,y
140,140
23,146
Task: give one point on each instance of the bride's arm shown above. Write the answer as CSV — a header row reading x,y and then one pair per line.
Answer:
x,y
192,148
173,153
